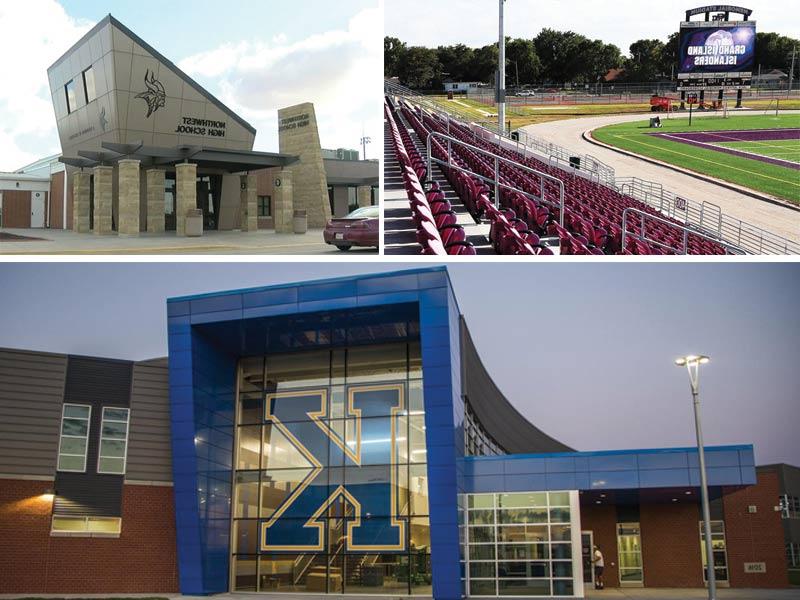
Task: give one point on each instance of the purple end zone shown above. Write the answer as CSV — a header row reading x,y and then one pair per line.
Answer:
x,y
707,139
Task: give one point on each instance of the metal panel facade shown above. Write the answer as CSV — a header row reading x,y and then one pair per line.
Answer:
x,y
149,453
31,393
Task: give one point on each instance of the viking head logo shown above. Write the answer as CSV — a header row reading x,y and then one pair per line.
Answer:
x,y
103,120
155,96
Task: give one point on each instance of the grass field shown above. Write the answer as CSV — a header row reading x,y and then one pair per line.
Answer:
x,y
783,149
532,114
776,180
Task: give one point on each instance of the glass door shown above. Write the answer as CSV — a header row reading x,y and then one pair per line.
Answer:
x,y
587,553
629,546
718,550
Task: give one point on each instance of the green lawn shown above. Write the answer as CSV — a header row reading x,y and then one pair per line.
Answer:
x,y
778,181
783,149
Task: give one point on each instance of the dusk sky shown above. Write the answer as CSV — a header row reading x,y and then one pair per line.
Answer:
x,y
585,351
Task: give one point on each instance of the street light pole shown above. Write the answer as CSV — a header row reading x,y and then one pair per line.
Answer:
x,y
692,364
501,77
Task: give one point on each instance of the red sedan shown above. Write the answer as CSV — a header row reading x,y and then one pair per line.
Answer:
x,y
359,228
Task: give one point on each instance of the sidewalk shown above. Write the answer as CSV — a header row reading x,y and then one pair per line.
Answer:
x,y
59,241
693,594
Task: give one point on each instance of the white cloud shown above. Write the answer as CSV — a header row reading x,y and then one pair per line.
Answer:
x,y
339,71
33,34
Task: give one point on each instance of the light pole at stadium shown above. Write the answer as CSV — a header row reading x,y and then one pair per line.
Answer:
x,y
501,77
692,364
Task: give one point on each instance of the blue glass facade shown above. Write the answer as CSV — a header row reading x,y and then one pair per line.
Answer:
x,y
209,334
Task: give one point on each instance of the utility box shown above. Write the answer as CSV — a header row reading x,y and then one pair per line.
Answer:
x,y
194,222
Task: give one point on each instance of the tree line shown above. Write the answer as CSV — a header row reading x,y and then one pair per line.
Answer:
x,y
556,57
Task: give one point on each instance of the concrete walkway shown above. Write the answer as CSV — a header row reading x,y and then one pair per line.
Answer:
x,y
568,134
611,593
692,594
59,241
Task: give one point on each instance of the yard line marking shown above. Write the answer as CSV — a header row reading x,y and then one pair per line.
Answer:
x,y
794,183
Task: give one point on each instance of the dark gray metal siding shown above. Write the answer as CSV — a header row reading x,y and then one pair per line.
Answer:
x,y
31,392
97,382
497,415
149,450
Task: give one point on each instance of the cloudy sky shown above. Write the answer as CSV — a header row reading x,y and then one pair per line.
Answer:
x,y
255,56
584,351
620,22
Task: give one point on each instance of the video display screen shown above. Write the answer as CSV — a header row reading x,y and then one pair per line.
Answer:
x,y
714,49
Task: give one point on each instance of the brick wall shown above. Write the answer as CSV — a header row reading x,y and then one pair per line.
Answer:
x,y
671,545
602,521
755,537
141,560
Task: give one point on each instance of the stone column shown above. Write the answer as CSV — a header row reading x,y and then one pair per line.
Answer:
x,y
155,200
81,202
103,186
248,207
129,197
283,201
364,196
298,135
341,200
186,194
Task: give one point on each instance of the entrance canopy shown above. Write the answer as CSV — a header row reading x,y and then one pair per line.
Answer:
x,y
222,159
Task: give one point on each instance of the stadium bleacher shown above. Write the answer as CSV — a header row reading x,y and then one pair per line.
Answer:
x,y
518,197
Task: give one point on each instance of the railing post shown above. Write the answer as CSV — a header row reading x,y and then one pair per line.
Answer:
x,y
496,182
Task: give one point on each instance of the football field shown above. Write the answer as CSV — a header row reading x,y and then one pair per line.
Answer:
x,y
761,152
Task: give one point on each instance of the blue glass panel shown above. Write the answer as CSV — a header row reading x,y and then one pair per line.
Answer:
x,y
664,478
379,285
559,464
514,466
272,297
612,462
614,479
665,460
219,303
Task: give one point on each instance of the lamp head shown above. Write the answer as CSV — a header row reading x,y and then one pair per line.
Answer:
x,y
692,359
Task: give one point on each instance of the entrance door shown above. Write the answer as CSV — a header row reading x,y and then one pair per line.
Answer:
x,y
37,209
587,553
629,547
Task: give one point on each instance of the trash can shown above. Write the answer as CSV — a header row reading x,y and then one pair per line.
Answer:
x,y
449,95
194,222
300,221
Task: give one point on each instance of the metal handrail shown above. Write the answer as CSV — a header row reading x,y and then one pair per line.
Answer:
x,y
737,233
497,183
684,229
731,230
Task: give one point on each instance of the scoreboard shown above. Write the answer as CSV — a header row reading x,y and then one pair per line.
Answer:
x,y
716,55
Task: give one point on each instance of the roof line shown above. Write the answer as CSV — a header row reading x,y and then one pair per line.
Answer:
x,y
730,447
197,87
309,282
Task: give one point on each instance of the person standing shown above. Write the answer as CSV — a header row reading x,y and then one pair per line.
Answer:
x,y
599,566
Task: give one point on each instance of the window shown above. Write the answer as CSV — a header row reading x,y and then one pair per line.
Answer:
x,y
793,555
86,526
790,507
88,85
265,206
72,101
629,546
717,549
519,544
74,437
113,441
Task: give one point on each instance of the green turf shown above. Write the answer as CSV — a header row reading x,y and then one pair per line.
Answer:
x,y
783,149
778,181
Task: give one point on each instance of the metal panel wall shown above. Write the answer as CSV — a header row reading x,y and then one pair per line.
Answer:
x,y
97,382
496,414
31,392
149,448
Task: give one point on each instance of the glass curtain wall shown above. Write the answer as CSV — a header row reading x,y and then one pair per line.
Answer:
x,y
520,544
331,491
